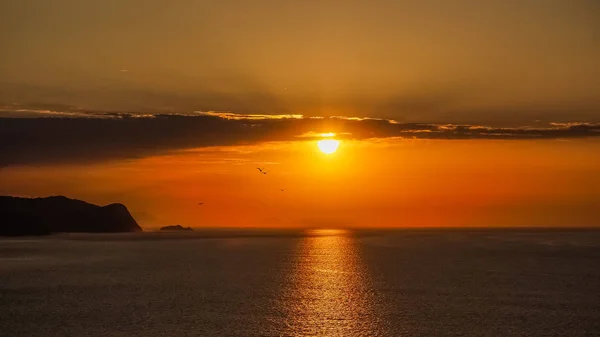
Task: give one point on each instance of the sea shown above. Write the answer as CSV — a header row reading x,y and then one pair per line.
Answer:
x,y
318,282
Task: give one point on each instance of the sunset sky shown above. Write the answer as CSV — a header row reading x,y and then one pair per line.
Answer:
x,y
448,113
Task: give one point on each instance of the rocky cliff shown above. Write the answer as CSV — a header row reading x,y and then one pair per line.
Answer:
x,y
58,214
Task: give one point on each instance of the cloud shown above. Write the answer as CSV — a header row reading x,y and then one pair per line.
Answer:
x,y
320,135
53,136
234,116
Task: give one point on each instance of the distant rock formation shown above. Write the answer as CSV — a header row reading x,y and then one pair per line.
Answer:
x,y
176,228
59,214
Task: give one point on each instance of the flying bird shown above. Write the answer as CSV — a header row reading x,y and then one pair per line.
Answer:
x,y
283,189
262,170
200,203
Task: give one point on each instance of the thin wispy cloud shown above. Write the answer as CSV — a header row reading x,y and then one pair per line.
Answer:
x,y
313,135
234,116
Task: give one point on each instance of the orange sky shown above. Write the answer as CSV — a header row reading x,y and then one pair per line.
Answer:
x,y
369,183
461,61
450,113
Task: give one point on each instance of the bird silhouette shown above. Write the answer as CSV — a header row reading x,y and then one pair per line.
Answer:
x,y
283,189
200,203
262,170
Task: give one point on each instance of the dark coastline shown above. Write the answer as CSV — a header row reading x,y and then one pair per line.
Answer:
x,y
59,214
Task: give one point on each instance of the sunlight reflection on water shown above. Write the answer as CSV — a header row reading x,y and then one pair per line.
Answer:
x,y
329,292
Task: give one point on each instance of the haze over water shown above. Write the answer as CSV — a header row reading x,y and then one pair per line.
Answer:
x,y
293,283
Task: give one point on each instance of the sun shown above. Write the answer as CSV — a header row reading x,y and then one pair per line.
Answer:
x,y
328,146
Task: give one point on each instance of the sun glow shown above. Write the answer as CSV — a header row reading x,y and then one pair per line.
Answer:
x,y
328,146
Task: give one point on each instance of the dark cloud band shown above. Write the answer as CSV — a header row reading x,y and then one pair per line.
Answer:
x,y
79,137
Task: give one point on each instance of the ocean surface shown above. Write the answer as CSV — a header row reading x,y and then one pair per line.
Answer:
x,y
303,283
